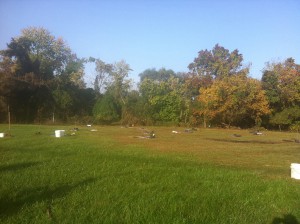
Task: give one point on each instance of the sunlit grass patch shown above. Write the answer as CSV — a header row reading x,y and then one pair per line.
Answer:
x,y
108,176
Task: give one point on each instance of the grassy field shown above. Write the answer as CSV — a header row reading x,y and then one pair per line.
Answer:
x,y
114,175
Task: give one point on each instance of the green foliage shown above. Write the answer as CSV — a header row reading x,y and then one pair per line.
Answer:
x,y
163,100
37,51
120,85
74,72
106,110
282,84
103,76
286,117
160,75
270,84
112,81
62,98
132,110
39,74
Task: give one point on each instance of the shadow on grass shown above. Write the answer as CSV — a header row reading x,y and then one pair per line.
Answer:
x,y
17,166
10,206
243,141
287,219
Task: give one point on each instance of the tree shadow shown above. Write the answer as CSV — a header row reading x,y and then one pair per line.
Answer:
x,y
243,141
17,166
287,219
10,206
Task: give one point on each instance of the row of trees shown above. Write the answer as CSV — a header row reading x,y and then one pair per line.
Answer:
x,y
41,76
41,80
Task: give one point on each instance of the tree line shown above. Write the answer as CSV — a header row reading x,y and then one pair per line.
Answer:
x,y
42,81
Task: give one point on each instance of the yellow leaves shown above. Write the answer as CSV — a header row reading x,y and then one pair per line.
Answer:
x,y
233,98
289,83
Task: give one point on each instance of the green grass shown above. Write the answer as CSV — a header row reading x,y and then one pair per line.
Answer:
x,y
111,176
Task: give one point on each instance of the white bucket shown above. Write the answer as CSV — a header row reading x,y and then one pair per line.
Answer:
x,y
295,171
1,135
59,133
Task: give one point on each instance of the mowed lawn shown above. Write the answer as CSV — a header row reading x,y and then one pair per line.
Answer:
x,y
114,175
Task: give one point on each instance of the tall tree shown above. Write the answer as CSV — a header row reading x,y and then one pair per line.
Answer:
x,y
281,82
163,101
34,68
217,63
120,84
37,51
208,67
103,76
113,81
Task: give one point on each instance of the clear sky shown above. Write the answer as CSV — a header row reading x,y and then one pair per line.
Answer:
x,y
162,33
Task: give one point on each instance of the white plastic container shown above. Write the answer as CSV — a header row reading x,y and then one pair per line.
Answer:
x,y
59,133
295,171
1,135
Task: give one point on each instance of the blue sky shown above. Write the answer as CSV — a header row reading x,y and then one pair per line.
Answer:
x,y
165,33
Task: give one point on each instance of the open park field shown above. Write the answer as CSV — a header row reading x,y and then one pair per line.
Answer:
x,y
109,174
